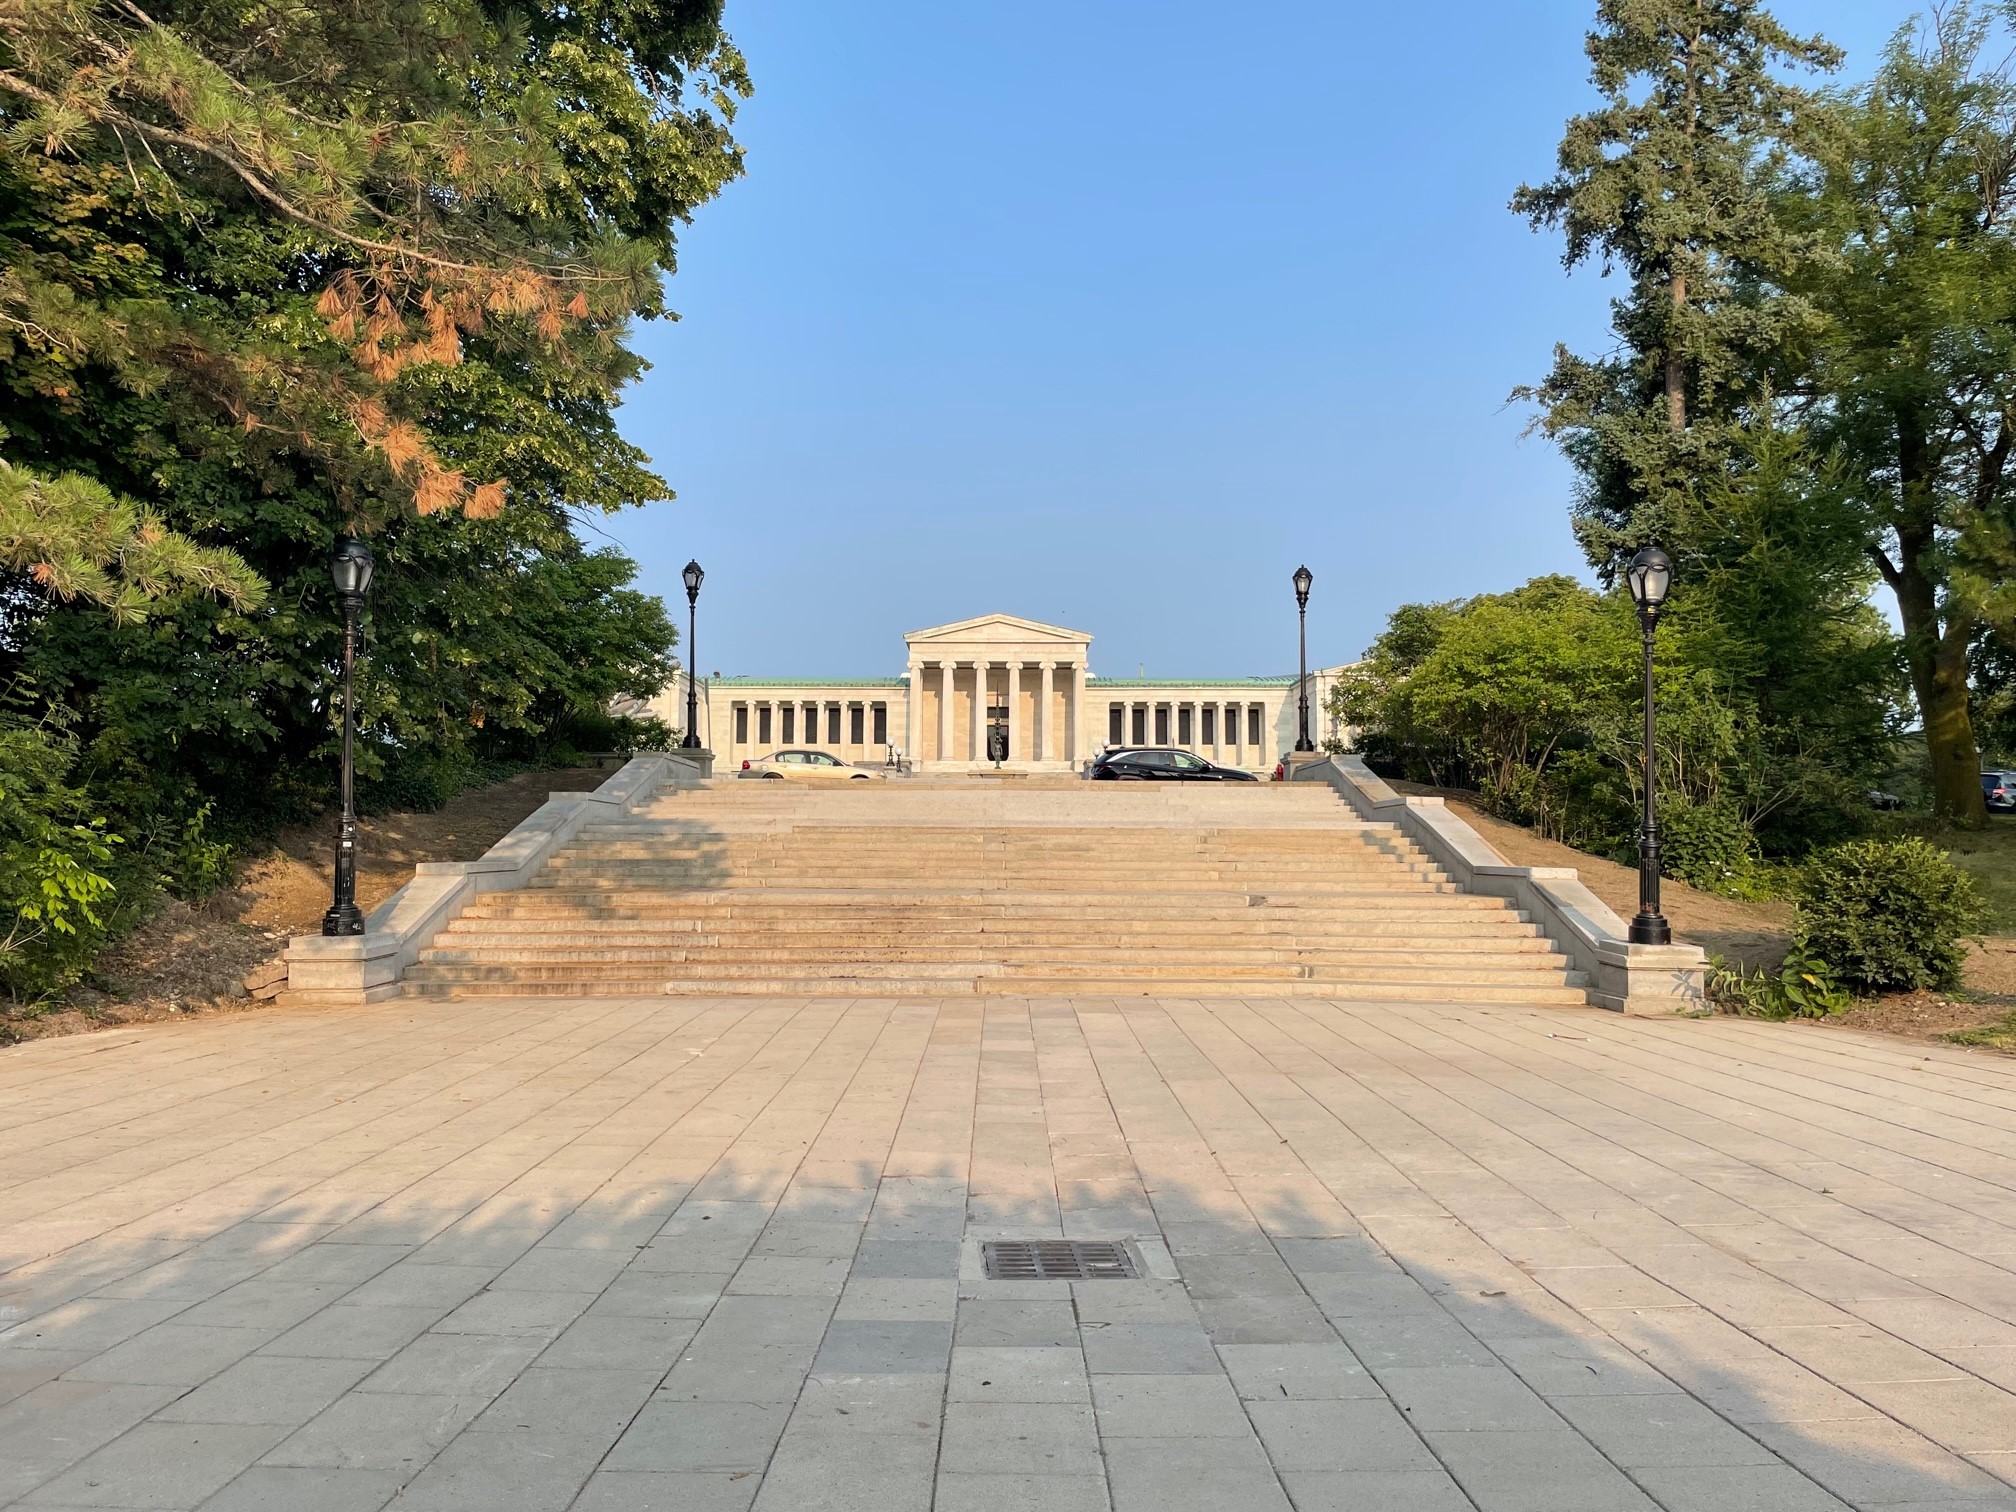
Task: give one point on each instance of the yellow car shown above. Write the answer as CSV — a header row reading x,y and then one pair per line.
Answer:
x,y
805,766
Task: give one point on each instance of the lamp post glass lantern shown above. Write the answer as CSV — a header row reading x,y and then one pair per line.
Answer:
x,y
1303,579
693,577
1649,577
350,571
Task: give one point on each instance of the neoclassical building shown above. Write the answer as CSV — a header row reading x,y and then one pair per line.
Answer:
x,y
999,683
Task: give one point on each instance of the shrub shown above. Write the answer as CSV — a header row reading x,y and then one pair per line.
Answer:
x,y
1887,915
1801,988
416,780
55,896
1707,845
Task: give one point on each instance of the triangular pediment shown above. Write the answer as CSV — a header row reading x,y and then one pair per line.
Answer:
x,y
987,629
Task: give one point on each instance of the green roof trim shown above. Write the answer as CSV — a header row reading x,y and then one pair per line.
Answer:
x,y
1092,682
806,682
1095,684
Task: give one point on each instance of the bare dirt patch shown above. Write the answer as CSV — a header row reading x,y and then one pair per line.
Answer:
x,y
193,957
1923,1015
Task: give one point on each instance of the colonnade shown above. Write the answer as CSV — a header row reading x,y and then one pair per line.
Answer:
x,y
855,729
955,705
1239,733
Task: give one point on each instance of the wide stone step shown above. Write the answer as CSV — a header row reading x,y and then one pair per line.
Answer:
x,y
1256,971
584,957
589,889
1120,856
1480,931
756,903
827,986
846,871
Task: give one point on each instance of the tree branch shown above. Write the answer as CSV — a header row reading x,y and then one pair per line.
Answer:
x,y
264,191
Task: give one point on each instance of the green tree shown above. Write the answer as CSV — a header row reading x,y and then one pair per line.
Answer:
x,y
77,540
1914,374
425,337
419,174
1669,181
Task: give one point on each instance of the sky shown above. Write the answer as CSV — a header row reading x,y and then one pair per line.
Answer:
x,y
1113,322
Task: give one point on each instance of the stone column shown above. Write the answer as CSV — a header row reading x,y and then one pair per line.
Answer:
x,y
1046,737
1014,715
944,711
912,713
1077,747
978,743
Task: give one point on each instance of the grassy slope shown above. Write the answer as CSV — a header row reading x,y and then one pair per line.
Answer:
x,y
1989,856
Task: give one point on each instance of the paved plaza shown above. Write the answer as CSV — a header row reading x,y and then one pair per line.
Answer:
x,y
705,1255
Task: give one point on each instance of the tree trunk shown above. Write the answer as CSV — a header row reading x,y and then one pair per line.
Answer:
x,y
1949,734
1676,363
1937,660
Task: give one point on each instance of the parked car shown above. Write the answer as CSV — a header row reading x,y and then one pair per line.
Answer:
x,y
806,766
1999,788
1878,799
1161,764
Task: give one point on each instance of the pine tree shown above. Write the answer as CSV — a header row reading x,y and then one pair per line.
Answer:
x,y
434,172
1669,182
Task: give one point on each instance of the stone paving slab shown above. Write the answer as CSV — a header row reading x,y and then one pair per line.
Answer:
x,y
717,1256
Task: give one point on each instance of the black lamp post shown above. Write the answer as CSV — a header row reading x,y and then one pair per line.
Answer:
x,y
1303,578
1650,575
350,570
694,578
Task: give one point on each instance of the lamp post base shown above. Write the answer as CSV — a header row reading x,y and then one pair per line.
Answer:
x,y
343,919
691,743
1650,929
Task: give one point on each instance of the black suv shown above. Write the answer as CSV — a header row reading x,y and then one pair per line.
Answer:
x,y
1162,764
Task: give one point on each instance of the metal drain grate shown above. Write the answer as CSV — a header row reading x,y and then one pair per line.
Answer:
x,y
1058,1260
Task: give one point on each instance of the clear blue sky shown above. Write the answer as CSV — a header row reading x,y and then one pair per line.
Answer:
x,y
1111,314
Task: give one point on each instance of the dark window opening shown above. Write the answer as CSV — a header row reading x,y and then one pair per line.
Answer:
x,y
763,725
741,724
1116,724
855,717
1253,726
833,725
790,724
1183,727
1140,726
881,724
1209,716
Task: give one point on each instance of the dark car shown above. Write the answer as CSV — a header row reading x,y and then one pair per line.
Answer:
x,y
1159,764
1999,788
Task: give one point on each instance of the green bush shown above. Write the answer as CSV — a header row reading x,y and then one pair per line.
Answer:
x,y
598,733
1707,845
1887,915
1801,988
55,894
417,781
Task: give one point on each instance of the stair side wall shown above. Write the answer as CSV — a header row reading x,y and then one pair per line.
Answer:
x,y
366,968
1624,977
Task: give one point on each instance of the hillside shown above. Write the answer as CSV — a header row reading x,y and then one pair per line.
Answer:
x,y
193,957
1756,934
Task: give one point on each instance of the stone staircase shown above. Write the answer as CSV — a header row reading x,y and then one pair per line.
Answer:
x,y
963,886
